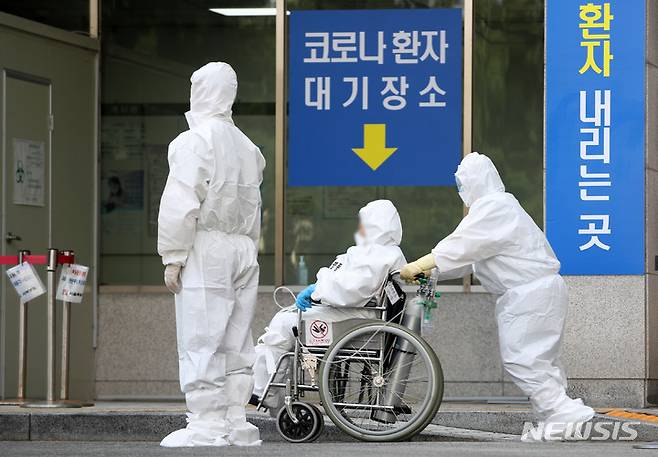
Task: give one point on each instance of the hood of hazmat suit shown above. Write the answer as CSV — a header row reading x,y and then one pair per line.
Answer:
x,y
209,223
214,88
478,178
356,276
501,244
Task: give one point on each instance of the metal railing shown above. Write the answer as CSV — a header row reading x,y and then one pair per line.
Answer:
x,y
52,260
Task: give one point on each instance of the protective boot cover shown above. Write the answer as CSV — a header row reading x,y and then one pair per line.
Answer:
x,y
207,429
500,243
209,223
565,424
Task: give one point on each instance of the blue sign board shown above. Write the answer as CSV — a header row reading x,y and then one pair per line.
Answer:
x,y
375,97
595,99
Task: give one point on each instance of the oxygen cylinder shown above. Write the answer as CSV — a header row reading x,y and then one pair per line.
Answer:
x,y
399,367
302,272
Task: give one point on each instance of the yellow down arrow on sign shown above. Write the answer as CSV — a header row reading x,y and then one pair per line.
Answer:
x,y
374,151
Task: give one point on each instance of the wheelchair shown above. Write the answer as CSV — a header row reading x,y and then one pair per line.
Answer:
x,y
377,379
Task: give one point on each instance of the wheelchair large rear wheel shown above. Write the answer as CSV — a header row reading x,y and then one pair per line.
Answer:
x,y
381,382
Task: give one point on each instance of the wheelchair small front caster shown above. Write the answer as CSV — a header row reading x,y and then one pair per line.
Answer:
x,y
309,423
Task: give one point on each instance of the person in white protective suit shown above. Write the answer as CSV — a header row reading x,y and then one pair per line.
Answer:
x,y
208,231
341,291
499,242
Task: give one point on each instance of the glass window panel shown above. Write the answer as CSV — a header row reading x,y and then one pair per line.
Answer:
x,y
150,49
507,122
320,221
71,15
508,106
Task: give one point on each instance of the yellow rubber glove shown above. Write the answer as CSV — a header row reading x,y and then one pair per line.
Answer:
x,y
413,269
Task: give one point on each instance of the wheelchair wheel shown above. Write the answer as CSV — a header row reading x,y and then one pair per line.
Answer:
x,y
390,383
306,429
320,429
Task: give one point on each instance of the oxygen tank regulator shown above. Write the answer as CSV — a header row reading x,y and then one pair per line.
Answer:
x,y
427,295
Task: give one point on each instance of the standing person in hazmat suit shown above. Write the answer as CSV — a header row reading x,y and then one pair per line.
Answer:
x,y
341,292
208,231
509,254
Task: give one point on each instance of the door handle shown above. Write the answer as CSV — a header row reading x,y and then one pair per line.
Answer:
x,y
11,237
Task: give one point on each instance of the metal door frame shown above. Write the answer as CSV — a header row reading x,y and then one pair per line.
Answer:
x,y
4,204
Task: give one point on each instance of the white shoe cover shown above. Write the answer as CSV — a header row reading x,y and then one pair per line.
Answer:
x,y
245,434
220,442
186,437
571,411
206,429
562,424
241,432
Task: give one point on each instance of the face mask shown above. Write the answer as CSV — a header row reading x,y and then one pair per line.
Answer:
x,y
460,187
359,239
460,191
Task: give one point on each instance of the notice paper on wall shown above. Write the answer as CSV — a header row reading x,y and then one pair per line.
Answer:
x,y
29,172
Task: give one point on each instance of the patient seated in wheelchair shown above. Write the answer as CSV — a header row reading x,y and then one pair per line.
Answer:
x,y
341,291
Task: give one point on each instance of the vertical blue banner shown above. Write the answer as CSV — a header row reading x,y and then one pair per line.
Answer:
x,y
595,130
375,97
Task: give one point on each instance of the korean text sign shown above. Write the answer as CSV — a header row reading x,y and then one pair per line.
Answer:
x,y
72,281
375,97
26,282
595,98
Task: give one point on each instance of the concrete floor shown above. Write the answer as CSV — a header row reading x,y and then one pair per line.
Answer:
x,y
323,449
136,422
172,406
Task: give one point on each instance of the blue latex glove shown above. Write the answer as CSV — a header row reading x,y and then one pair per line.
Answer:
x,y
303,301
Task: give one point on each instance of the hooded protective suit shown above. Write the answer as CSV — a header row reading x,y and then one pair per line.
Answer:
x,y
509,254
342,289
209,222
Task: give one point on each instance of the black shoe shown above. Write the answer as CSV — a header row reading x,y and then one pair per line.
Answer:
x,y
254,400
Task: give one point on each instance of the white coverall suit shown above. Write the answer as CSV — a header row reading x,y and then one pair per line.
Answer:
x,y
342,289
209,222
509,254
